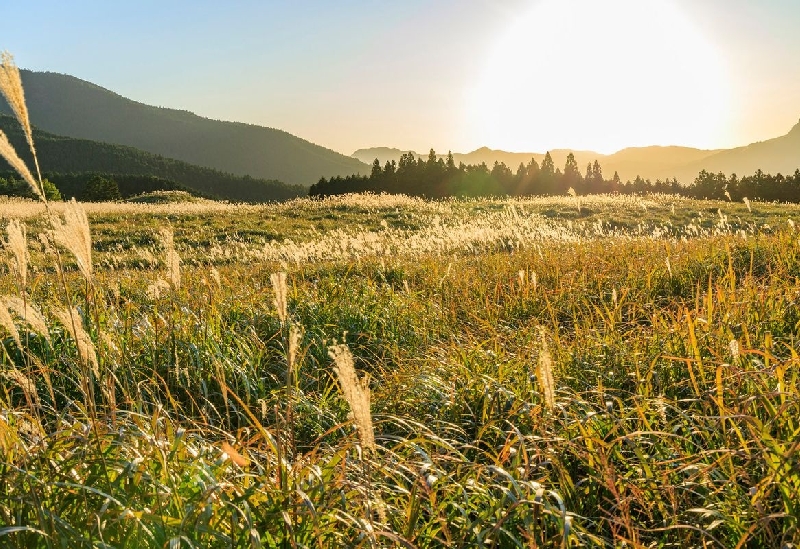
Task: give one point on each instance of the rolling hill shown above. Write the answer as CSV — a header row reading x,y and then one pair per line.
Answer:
x,y
66,155
781,154
65,105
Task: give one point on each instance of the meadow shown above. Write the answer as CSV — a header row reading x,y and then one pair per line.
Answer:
x,y
381,371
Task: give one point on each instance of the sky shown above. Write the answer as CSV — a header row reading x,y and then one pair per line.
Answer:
x,y
521,75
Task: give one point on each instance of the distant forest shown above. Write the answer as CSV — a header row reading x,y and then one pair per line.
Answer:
x,y
438,178
90,186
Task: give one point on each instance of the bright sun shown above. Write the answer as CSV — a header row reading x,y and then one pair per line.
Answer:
x,y
600,75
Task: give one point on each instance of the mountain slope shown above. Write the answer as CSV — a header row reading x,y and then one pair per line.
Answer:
x,y
383,154
68,106
69,155
778,155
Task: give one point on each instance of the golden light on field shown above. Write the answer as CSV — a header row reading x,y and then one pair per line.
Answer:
x,y
600,75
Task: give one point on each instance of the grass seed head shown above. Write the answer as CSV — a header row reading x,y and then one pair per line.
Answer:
x,y
171,257
11,88
71,320
10,155
8,323
30,314
154,290
24,382
17,244
356,392
544,372
734,348
281,291
295,335
74,235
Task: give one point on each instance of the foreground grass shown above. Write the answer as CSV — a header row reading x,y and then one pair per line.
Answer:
x,y
669,329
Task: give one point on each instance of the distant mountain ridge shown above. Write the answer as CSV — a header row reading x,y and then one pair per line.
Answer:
x,y
68,106
778,155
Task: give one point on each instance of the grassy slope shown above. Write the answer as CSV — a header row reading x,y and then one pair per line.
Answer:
x,y
661,433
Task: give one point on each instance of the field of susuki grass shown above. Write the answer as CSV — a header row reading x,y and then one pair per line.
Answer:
x,y
381,371
537,376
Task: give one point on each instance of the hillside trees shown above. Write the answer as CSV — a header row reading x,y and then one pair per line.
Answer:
x,y
101,189
10,185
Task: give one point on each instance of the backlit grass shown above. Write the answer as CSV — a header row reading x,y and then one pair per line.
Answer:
x,y
676,391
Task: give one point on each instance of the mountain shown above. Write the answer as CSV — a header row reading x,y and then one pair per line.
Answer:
x,y
778,155
66,155
654,162
482,155
65,105
383,154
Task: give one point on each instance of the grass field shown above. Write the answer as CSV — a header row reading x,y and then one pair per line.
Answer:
x,y
602,371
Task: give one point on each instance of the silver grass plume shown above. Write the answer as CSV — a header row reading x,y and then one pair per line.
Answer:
x,y
171,257
8,323
295,335
544,373
356,392
154,290
71,320
17,243
279,287
25,383
11,88
29,314
10,155
73,234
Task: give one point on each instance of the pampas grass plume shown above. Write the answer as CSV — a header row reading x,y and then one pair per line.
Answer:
x,y
17,244
544,373
24,382
71,320
29,314
356,392
11,89
10,155
171,258
8,323
73,234
279,287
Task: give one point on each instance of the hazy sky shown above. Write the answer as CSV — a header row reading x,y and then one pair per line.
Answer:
x,y
525,75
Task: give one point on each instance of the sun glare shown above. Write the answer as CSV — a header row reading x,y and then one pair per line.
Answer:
x,y
600,75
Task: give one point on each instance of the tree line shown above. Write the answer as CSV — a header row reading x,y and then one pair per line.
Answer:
x,y
89,186
436,177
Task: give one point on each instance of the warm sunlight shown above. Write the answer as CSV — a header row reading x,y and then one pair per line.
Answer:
x,y
600,76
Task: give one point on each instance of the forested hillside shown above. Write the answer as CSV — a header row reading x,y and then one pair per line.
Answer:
x,y
64,155
65,105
